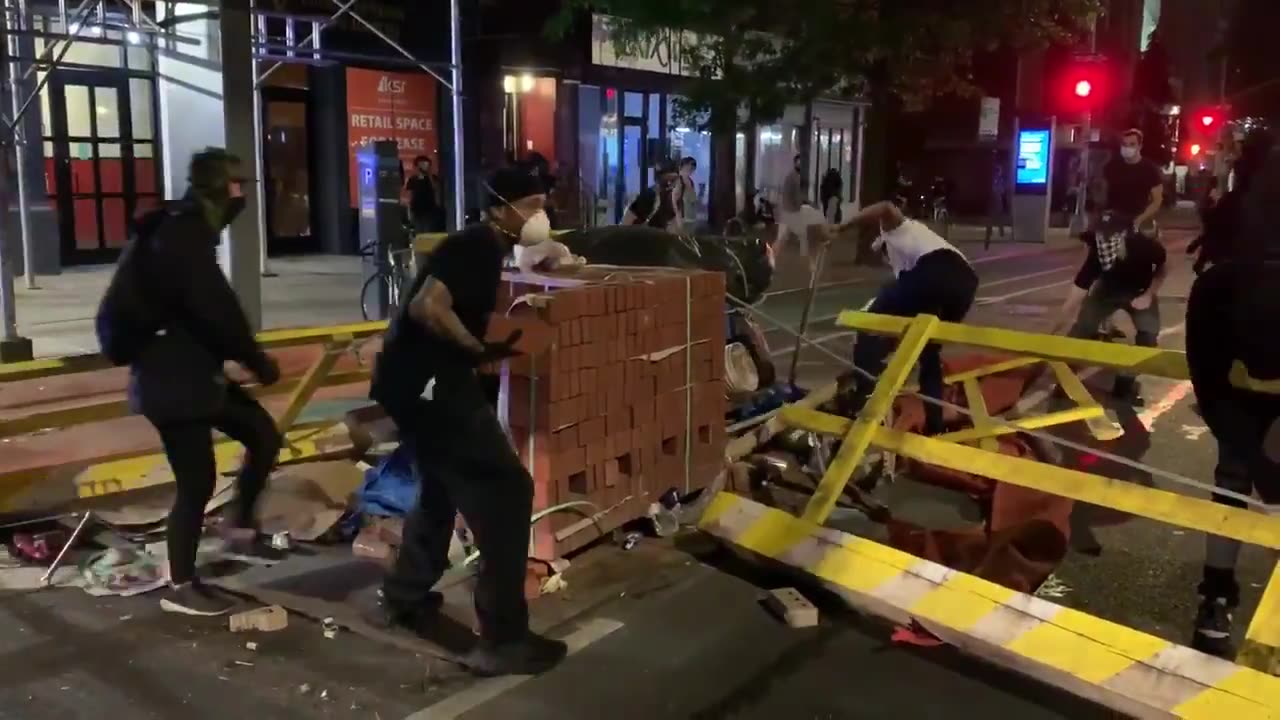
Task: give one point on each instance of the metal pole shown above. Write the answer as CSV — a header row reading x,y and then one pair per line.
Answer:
x,y
314,37
20,149
455,95
62,52
453,10
857,182
259,164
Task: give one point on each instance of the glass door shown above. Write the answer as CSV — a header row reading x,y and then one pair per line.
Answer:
x,y
102,174
288,171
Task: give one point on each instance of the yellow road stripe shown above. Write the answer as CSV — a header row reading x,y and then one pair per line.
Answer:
x,y
1069,652
1243,694
956,605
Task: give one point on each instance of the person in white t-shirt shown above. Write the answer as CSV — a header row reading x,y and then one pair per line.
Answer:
x,y
931,276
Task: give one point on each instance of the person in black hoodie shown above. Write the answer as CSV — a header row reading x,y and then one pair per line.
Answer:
x,y
177,380
1228,344
1220,220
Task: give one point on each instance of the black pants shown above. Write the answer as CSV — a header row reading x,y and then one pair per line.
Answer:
x,y
942,283
466,464
189,447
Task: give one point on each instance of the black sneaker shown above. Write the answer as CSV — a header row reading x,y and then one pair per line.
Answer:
x,y
1213,628
531,656
420,620
194,598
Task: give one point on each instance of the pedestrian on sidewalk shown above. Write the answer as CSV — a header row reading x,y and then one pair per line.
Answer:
x,y
425,210
931,276
426,380
1122,272
1229,306
177,380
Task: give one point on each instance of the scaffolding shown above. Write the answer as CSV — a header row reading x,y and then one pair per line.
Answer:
x,y
274,43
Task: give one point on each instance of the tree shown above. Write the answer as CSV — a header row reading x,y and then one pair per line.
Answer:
x,y
1152,91
1253,82
759,56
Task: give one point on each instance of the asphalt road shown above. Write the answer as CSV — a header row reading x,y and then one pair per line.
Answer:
x,y
674,631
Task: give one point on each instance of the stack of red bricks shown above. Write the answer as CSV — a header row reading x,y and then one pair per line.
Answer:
x,y
622,397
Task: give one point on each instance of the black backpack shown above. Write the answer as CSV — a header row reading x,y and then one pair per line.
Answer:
x,y
126,321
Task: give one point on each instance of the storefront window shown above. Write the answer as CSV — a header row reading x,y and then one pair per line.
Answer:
x,y
688,142
776,148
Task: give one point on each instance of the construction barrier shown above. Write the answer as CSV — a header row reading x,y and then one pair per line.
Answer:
x,y
130,471
1121,668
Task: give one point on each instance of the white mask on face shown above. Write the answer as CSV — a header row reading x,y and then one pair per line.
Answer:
x,y
536,229
1129,153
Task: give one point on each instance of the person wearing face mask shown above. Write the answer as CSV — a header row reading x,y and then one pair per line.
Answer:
x,y
177,380
426,380
1135,185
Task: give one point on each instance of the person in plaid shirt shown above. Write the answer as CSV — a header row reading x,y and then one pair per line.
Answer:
x,y
1123,272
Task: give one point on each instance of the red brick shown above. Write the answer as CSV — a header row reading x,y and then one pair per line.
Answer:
x,y
589,431
566,439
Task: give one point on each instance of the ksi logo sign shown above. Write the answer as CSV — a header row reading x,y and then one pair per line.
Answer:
x,y
388,85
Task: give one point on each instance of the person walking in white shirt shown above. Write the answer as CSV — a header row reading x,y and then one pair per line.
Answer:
x,y
930,276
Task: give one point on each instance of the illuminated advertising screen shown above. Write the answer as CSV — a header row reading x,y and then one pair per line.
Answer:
x,y
1033,158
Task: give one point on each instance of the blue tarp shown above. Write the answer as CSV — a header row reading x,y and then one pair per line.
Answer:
x,y
391,488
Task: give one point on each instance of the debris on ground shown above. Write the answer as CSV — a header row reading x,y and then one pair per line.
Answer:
x,y
793,608
553,584
123,572
1053,587
369,544
330,628
663,520
631,540
251,646
304,688
263,619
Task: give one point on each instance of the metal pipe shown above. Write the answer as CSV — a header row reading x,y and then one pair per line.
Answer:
x,y
48,51
289,36
343,9
453,5
20,148
259,163
814,275
455,97
857,181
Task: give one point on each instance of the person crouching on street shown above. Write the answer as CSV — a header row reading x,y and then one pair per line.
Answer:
x,y
931,276
177,381
1122,272
426,380
1229,340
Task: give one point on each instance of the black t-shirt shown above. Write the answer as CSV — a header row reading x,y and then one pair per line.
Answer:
x,y
1129,185
643,208
469,263
422,195
1131,274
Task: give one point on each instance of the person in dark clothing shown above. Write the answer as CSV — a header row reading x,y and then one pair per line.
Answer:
x,y
1220,220
655,206
424,204
425,378
1123,271
177,381
1227,350
1135,186
829,193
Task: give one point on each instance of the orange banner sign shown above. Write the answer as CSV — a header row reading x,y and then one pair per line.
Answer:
x,y
391,106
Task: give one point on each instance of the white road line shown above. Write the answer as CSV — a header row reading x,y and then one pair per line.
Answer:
x,y
1018,293
483,691
1017,278
1178,391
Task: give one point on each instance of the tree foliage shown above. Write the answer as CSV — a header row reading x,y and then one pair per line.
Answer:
x,y
761,56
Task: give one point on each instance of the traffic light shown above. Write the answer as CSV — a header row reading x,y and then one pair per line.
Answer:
x,y
1195,149
1208,120
1082,84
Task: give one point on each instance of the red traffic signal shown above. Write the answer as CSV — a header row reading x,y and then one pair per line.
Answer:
x,y
1082,84
1207,120
1083,88
1195,149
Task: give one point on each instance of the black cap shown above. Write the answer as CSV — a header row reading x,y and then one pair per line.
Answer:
x,y
514,183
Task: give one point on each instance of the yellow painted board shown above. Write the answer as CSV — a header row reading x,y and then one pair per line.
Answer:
x,y
1180,510
872,415
992,369
1261,647
1031,422
1144,360
288,337
113,409
981,418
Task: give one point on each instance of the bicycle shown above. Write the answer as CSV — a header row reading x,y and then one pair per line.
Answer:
x,y
389,279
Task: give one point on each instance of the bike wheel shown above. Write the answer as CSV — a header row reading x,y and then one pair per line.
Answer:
x,y
376,290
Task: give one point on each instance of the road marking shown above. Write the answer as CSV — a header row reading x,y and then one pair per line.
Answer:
x,y
485,690
1019,293
1175,394
1016,278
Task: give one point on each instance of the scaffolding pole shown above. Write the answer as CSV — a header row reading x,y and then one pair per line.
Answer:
x,y
455,96
259,161
13,22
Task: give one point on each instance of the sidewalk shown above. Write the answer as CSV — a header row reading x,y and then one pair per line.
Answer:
x,y
309,291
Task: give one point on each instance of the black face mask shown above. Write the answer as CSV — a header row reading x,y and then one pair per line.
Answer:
x,y
235,206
